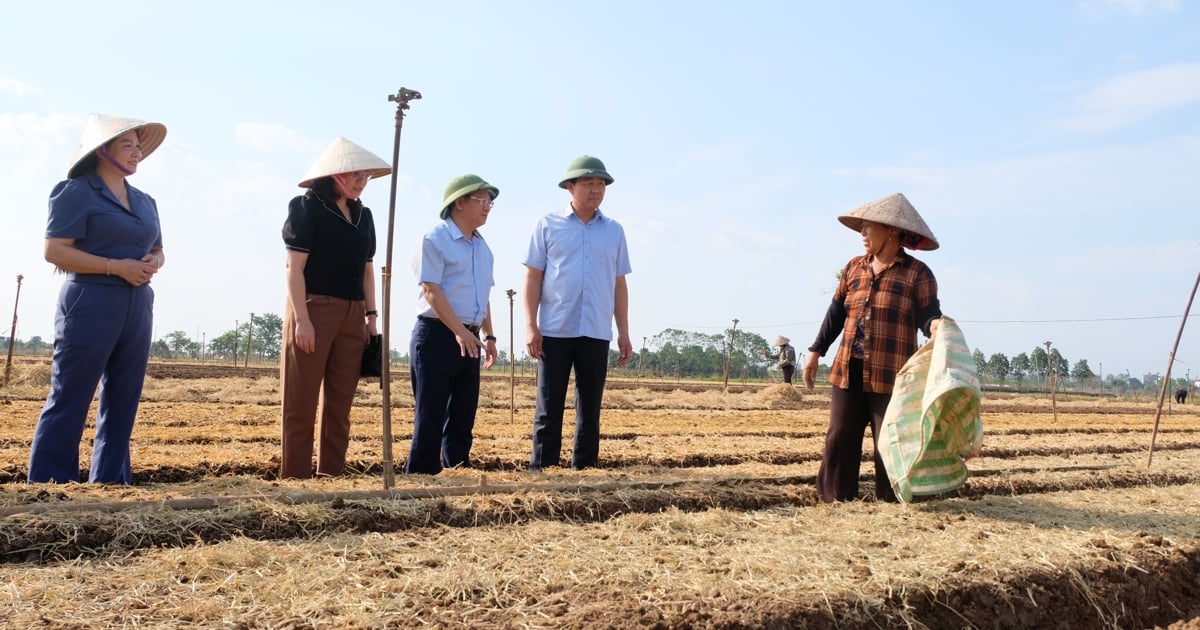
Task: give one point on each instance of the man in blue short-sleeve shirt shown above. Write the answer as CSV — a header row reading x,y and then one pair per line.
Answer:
x,y
574,289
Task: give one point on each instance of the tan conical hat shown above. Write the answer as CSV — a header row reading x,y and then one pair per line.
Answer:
x,y
782,341
100,129
344,156
896,211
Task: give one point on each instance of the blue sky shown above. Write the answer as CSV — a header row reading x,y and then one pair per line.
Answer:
x,y
1051,146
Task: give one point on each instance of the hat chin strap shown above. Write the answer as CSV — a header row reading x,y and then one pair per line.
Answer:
x,y
108,158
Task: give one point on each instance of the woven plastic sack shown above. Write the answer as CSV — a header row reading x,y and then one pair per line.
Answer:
x,y
932,424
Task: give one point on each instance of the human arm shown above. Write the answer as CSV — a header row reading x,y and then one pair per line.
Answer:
x,y
62,253
304,334
489,339
621,315
533,299
468,343
369,296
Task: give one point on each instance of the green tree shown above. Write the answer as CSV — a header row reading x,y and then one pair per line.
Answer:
x,y
178,341
980,361
160,350
998,366
1037,363
1059,364
268,335
1020,366
1081,372
223,347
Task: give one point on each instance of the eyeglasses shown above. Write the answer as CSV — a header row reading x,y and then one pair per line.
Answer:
x,y
487,202
360,175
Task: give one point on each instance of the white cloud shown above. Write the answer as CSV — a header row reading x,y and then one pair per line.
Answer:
x,y
1131,7
272,137
20,88
1130,98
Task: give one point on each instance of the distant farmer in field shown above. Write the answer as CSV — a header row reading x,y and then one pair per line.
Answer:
x,y
454,273
1181,395
785,357
330,240
104,235
574,289
882,298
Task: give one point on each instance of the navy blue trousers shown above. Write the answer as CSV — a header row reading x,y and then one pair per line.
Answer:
x,y
446,392
589,358
101,336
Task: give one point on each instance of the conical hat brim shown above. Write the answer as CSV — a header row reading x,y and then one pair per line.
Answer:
x,y
343,156
896,211
100,129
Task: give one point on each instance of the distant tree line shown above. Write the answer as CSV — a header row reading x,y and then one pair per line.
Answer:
x,y
671,354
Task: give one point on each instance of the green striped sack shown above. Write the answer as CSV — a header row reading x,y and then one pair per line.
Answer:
x,y
932,424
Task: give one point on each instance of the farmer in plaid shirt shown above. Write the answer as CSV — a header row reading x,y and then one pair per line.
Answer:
x,y
882,299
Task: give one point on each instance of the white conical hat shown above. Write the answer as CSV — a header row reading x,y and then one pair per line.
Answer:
x,y
100,129
344,156
782,341
896,211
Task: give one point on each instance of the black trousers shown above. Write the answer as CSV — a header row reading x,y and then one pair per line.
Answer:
x,y
850,412
446,395
788,371
589,358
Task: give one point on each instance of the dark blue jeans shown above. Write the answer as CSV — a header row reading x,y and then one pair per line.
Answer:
x,y
589,358
446,392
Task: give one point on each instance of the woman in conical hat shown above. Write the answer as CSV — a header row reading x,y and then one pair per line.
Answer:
x,y
330,313
882,299
104,235
786,357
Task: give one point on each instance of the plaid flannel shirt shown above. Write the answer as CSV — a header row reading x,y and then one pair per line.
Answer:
x,y
890,308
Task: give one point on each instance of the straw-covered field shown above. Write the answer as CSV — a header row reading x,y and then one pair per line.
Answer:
x,y
703,515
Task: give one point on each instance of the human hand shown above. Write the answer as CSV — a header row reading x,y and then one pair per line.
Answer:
x,y
135,272
533,342
810,370
625,350
469,345
490,356
306,337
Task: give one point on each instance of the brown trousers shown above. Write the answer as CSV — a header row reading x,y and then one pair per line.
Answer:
x,y
329,375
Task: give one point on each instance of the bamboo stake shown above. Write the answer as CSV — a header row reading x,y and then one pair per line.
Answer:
x,y
401,98
1171,361
12,333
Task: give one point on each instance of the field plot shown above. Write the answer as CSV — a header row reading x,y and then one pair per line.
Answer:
x,y
702,515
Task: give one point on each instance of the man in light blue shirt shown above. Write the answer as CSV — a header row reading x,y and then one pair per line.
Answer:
x,y
574,289
454,271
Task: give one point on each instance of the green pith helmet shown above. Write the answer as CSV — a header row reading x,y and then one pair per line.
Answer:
x,y
585,166
465,185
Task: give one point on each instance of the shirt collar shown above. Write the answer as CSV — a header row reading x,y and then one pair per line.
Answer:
x,y
569,212
456,233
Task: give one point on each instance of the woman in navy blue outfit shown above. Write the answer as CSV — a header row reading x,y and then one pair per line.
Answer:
x,y
105,236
